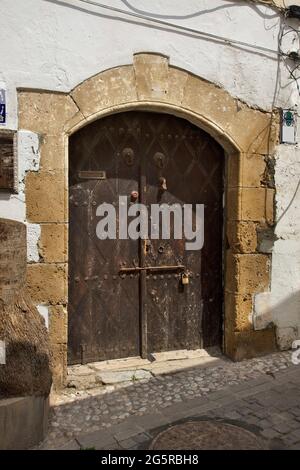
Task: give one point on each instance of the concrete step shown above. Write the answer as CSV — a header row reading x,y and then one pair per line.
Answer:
x,y
118,376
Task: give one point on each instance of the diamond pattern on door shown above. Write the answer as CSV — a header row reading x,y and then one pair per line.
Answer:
x,y
118,312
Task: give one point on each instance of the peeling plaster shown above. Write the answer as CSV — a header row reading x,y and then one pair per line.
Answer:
x,y
33,236
28,153
44,311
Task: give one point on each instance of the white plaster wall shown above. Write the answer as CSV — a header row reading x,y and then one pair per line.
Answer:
x,y
56,44
286,252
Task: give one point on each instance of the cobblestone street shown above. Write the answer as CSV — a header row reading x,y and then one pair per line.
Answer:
x,y
261,395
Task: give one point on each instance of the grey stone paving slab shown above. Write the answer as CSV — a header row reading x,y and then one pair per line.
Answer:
x,y
97,439
148,422
270,433
254,390
124,434
143,437
220,394
128,444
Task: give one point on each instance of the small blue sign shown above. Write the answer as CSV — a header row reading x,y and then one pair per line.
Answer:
x,y
2,106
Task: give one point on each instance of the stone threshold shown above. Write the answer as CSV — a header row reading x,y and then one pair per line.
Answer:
x,y
132,369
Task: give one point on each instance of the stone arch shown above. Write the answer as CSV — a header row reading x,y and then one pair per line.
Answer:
x,y
150,83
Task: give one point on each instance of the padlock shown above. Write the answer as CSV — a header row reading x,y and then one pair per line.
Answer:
x,y
185,279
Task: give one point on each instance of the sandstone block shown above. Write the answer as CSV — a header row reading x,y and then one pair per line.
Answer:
x,y
110,88
248,344
59,365
151,72
47,283
46,197
52,148
53,244
247,273
45,112
58,324
242,236
238,309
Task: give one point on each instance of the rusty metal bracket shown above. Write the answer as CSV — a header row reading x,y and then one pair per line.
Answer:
x,y
153,268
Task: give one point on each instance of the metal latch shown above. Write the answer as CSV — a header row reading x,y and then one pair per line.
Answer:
x,y
152,268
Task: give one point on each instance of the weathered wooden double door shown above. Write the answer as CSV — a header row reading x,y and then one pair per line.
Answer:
x,y
127,297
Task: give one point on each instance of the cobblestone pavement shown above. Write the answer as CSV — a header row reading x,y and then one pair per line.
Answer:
x,y
262,394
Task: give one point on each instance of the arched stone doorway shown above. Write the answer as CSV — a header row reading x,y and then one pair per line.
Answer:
x,y
127,297
150,84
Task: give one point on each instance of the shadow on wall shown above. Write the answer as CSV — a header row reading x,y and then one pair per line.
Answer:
x,y
270,309
27,370
27,366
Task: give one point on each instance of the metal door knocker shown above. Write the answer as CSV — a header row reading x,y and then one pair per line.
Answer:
x,y
160,160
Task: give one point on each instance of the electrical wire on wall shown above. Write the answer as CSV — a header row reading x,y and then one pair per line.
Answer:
x,y
277,55
291,56
254,48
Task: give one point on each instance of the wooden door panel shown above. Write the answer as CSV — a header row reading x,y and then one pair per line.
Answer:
x,y
104,306
118,314
191,163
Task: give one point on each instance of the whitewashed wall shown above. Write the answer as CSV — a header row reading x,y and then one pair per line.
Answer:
x,y
54,45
